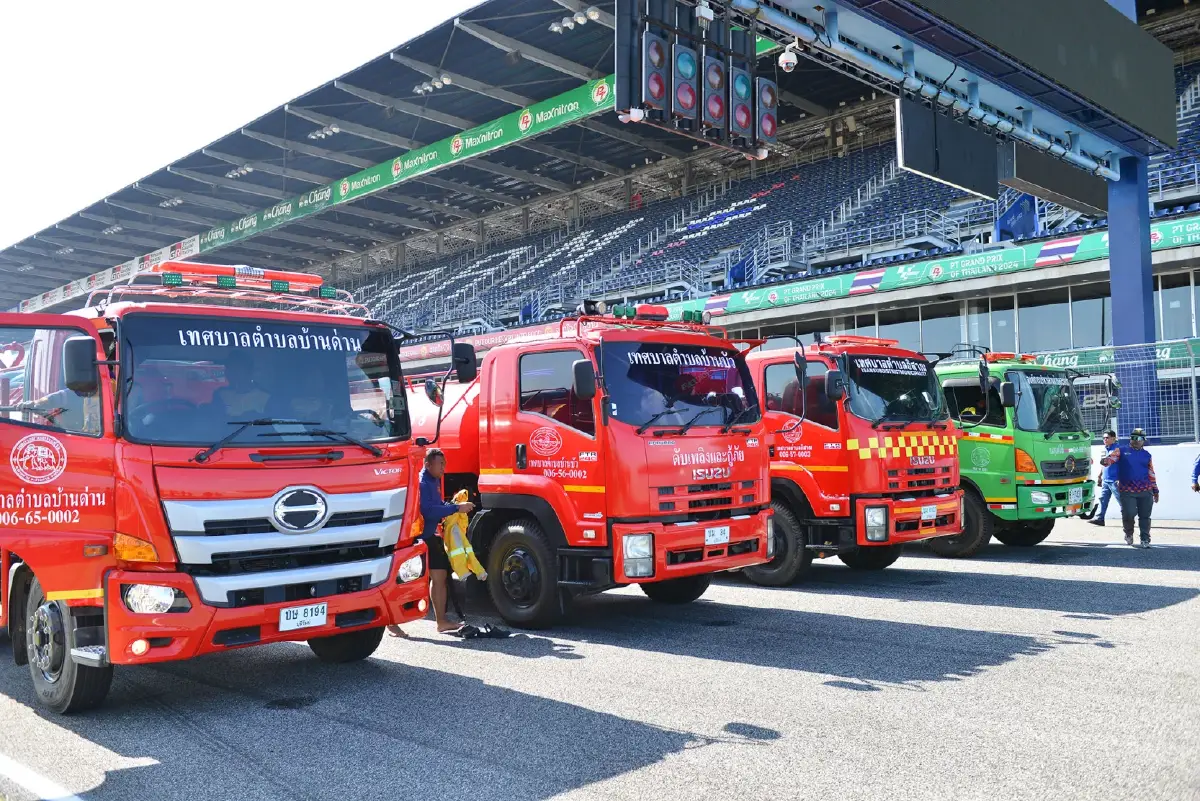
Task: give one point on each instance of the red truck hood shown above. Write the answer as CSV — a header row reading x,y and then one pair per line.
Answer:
x,y
915,457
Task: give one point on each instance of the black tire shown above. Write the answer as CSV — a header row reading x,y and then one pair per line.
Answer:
x,y
1025,535
792,559
677,591
61,684
523,576
979,525
871,557
353,646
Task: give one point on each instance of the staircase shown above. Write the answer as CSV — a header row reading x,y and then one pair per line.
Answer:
x,y
817,238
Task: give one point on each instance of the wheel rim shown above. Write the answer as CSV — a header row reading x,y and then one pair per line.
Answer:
x,y
521,577
48,641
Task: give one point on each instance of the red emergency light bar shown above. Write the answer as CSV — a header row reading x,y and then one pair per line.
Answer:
x,y
239,275
1007,357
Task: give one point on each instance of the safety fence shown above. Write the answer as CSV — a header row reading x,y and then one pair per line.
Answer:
x,y
1159,391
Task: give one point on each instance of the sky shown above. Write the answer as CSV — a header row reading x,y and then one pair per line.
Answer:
x,y
94,96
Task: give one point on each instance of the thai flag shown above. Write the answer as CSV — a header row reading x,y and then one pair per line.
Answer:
x,y
717,305
1058,251
865,282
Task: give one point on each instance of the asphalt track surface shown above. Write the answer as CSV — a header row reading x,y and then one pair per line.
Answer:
x,y
1066,671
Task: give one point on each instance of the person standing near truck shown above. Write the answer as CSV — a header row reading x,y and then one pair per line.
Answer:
x,y
1136,484
1107,480
433,511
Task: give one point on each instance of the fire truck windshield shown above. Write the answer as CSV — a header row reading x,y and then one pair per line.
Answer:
x,y
657,383
191,380
891,388
1045,401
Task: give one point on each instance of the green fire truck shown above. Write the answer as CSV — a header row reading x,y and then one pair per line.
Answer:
x,y
1024,452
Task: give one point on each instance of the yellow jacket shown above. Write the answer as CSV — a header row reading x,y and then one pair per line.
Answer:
x,y
454,534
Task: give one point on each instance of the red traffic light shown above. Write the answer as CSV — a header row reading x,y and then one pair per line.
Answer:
x,y
716,107
767,125
657,86
741,115
685,96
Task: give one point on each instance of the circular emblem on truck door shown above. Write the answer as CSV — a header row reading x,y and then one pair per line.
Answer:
x,y
545,441
299,510
38,459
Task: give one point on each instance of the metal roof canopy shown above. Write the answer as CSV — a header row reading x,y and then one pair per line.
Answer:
x,y
500,56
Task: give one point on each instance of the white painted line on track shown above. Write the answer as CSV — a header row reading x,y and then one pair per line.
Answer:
x,y
29,779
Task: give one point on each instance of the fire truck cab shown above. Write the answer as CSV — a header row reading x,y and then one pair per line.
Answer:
x,y
863,454
623,450
216,460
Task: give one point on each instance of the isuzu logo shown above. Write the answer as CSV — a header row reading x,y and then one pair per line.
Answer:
x,y
299,511
921,460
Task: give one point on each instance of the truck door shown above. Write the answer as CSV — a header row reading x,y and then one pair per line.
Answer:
x,y
555,437
57,450
986,449
815,447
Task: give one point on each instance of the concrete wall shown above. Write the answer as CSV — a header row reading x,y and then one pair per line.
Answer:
x,y
1173,467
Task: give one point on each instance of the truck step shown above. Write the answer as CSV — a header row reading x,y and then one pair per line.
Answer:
x,y
90,655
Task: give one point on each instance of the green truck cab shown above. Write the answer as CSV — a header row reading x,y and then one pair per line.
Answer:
x,y
1024,454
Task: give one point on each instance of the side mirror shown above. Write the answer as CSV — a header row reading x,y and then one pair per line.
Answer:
x,y
801,369
433,392
463,357
79,365
584,379
985,377
835,385
1008,394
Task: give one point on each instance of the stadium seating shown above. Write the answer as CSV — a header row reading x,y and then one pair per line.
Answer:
x,y
638,253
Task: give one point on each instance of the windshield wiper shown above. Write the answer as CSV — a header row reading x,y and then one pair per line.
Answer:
x,y
890,417
683,429
204,455
657,416
725,429
339,436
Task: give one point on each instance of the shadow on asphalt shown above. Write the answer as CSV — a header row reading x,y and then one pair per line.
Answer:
x,y
275,723
1073,596
1083,554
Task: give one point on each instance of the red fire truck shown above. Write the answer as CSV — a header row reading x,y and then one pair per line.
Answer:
x,y
864,457
618,450
216,460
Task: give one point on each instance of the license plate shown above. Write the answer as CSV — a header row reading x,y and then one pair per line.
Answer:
x,y
1075,495
303,617
718,535
929,512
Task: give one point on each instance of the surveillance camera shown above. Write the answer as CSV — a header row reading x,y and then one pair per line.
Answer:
x,y
788,60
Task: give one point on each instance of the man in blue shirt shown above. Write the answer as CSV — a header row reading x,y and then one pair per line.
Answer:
x,y
1196,474
1137,484
434,509
1107,480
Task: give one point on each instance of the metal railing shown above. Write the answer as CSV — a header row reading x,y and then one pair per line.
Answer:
x,y
916,225
815,237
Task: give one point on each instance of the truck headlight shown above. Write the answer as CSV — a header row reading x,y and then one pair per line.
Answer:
x,y
770,538
411,569
1040,498
151,599
639,555
876,518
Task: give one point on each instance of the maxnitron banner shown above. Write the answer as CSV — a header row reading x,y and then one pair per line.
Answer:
x,y
569,107
1052,253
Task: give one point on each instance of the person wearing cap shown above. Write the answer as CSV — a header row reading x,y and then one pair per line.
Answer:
x,y
1136,485
1107,480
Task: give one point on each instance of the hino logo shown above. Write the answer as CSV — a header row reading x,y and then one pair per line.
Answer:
x,y
299,511
921,460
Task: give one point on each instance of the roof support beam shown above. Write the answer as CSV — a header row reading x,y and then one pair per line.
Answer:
x,y
512,98
574,6
338,228
122,254
804,104
92,263
228,183
383,217
528,52
134,225
467,189
307,241
428,205
170,214
309,150
362,131
198,200
269,169
47,273
136,241
461,123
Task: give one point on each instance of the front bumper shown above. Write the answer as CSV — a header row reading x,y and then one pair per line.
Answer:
x,y
911,520
1028,505
205,629
680,550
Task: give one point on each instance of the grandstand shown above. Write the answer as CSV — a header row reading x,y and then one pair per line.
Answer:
x,y
589,208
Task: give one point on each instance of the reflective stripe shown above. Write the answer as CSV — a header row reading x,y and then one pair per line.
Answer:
x,y
496,471
581,488
814,468
74,595
988,437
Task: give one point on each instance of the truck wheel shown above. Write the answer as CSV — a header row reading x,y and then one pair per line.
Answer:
x,y
523,576
873,557
1024,535
353,646
677,591
978,528
792,559
61,684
